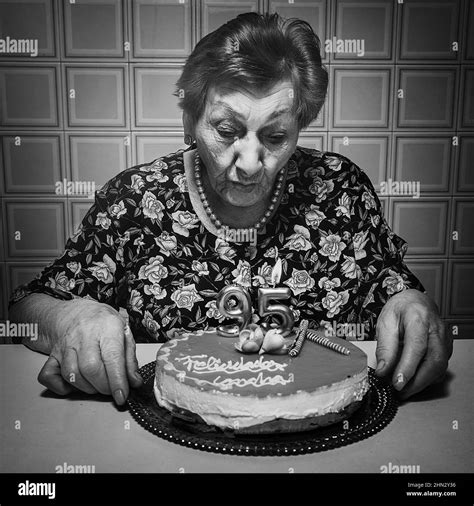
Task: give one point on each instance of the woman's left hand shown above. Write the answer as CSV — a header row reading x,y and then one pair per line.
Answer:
x,y
412,344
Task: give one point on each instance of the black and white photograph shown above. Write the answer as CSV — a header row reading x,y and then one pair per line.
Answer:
x,y
237,252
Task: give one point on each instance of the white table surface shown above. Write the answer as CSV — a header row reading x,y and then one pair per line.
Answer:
x,y
434,430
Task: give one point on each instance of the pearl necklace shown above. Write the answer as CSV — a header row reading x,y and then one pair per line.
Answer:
x,y
261,222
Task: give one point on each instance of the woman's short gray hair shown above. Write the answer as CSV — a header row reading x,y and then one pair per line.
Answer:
x,y
256,51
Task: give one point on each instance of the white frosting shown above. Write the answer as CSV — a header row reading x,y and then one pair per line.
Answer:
x,y
213,364
246,411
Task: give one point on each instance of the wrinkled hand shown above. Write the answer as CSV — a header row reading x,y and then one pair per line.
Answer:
x,y
94,352
412,345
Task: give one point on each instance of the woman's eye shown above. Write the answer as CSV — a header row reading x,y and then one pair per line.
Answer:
x,y
227,133
276,139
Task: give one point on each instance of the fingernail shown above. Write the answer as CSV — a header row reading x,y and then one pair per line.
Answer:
x,y
138,377
400,381
119,397
380,365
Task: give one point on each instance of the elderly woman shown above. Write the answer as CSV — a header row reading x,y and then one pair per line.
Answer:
x,y
162,239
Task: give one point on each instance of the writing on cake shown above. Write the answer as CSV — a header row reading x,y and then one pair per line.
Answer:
x,y
204,364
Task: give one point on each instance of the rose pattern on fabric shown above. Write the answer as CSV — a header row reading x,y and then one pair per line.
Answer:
x,y
393,283
300,240
167,243
201,268
313,217
104,271
300,282
263,278
142,247
331,246
242,274
333,302
154,271
103,220
117,210
61,281
184,221
321,189
329,284
186,296
152,208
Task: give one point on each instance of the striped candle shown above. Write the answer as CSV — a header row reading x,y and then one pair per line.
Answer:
x,y
299,340
327,343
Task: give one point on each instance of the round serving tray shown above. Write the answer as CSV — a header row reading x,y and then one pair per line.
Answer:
x,y
376,412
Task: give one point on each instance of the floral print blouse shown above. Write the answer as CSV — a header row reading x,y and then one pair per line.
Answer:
x,y
142,247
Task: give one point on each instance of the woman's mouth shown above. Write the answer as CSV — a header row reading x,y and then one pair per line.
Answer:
x,y
245,188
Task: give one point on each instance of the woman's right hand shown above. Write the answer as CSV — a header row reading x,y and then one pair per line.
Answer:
x,y
94,351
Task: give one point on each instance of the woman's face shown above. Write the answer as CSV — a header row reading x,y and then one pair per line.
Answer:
x,y
244,138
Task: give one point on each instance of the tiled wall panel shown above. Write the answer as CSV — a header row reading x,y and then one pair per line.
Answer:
x,y
465,179
370,21
94,28
97,158
161,28
468,32
361,97
467,101
35,228
426,159
428,97
428,30
461,293
29,20
29,96
33,162
464,226
98,98
155,105
409,217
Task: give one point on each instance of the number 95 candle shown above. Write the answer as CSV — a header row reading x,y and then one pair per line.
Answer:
x,y
234,302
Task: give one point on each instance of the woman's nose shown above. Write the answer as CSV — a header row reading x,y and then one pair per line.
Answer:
x,y
249,153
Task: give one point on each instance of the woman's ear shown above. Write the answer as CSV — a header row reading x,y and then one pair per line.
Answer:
x,y
188,125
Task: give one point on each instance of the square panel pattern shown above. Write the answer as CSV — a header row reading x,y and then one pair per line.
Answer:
x,y
29,20
368,21
428,29
29,96
161,28
98,97
94,28
409,217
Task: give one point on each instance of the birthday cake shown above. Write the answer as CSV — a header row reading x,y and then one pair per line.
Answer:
x,y
202,377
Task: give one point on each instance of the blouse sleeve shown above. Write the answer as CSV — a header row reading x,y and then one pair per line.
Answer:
x,y
379,255
91,265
